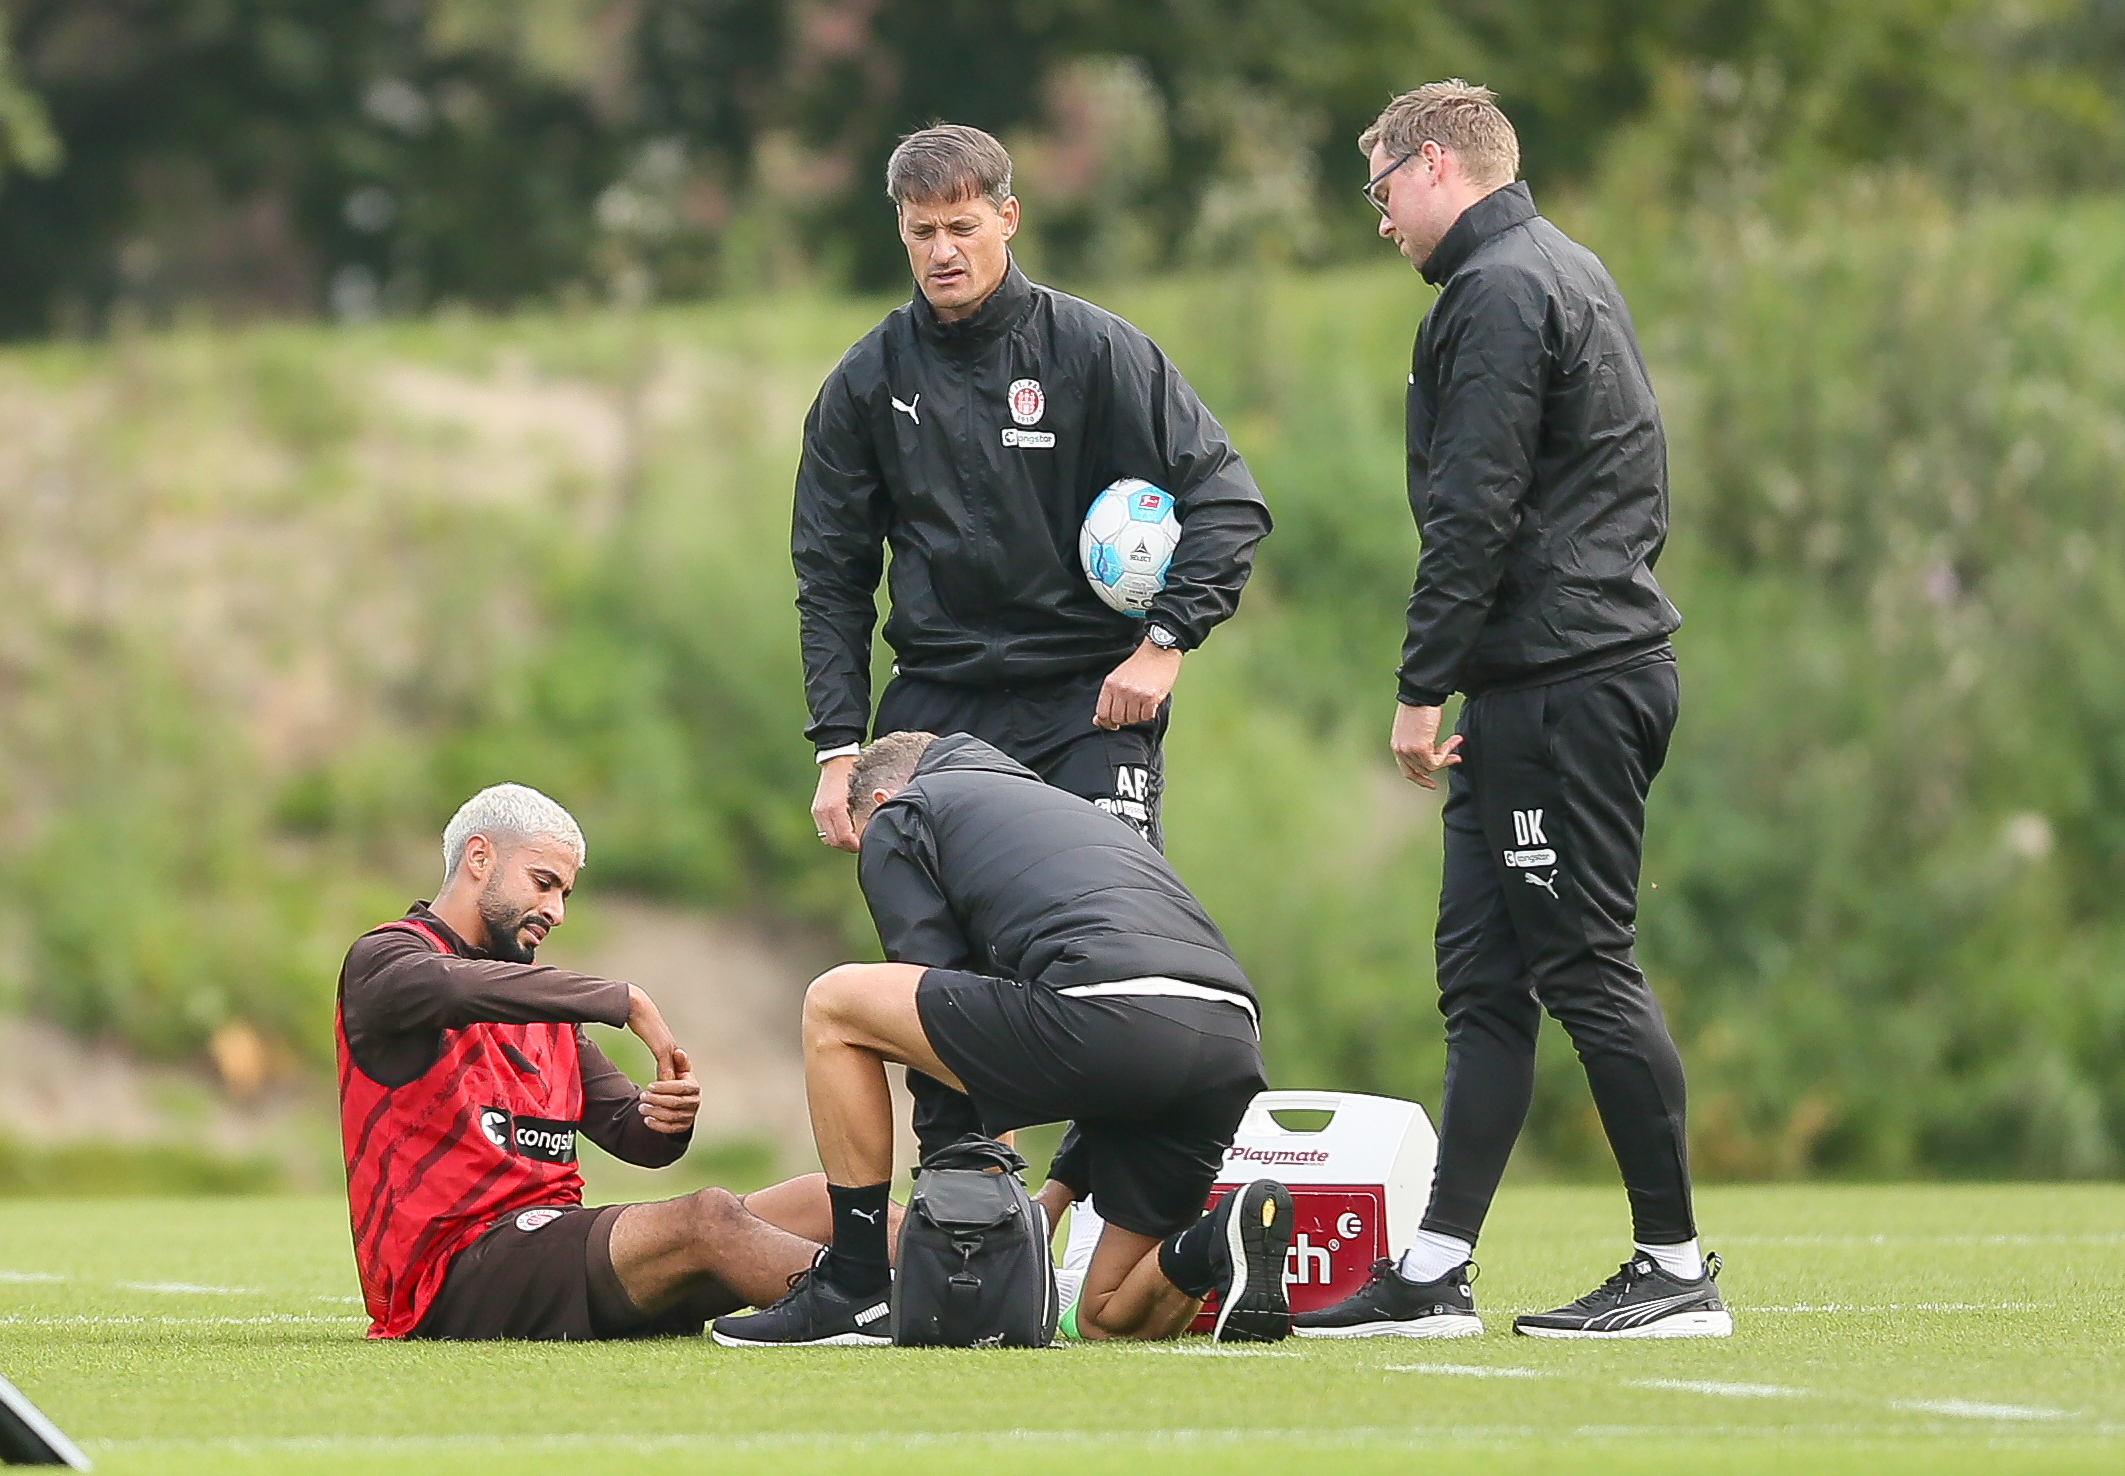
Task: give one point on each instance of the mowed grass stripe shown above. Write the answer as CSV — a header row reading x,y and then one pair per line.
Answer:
x,y
2031,1353
1510,1451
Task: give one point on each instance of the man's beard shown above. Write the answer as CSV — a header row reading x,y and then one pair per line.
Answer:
x,y
505,925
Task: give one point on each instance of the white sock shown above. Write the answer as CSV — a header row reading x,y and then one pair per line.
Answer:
x,y
1431,1255
1684,1262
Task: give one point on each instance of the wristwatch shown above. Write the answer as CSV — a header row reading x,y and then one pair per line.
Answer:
x,y
1162,638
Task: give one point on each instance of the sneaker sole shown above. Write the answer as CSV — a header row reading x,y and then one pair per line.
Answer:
x,y
1680,1325
1255,1308
1421,1327
838,1340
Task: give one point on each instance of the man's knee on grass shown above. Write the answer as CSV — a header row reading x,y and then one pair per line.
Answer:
x,y
1128,1294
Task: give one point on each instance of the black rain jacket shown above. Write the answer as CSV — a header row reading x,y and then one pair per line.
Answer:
x,y
977,865
1537,466
914,443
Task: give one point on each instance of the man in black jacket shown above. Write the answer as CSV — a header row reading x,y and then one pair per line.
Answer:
x,y
969,431
1046,964
1538,479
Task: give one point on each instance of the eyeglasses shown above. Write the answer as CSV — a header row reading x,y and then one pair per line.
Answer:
x,y
1375,191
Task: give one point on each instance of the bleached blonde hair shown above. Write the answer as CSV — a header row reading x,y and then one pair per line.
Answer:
x,y
508,814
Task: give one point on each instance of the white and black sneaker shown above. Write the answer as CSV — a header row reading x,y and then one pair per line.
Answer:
x,y
814,1313
1390,1305
1639,1301
1251,1304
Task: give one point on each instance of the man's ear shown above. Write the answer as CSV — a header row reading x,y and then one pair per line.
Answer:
x,y
1009,211
479,856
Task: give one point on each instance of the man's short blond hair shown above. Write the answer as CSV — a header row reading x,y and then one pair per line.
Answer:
x,y
1459,117
887,764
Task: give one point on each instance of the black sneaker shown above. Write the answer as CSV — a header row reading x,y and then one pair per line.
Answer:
x,y
1639,1301
813,1314
1256,1233
1390,1305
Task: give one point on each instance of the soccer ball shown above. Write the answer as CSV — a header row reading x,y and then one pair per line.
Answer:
x,y
1127,542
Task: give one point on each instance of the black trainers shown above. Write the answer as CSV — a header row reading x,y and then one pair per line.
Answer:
x,y
813,1314
1256,1233
1639,1301
1390,1305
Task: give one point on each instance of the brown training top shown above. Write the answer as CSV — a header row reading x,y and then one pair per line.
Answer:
x,y
398,996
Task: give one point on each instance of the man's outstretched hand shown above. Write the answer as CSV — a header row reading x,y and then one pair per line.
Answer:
x,y
670,1104
830,803
1133,691
1418,753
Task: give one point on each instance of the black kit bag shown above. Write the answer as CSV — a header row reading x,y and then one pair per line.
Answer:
x,y
974,1269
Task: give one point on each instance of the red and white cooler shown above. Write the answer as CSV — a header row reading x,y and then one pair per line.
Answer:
x,y
1358,1185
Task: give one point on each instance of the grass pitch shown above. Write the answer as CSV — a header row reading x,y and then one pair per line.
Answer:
x,y
1930,1329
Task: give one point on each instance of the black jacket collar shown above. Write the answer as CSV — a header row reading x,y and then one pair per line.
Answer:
x,y
964,751
987,323
1498,211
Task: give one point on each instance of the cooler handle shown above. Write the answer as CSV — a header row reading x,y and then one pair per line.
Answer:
x,y
1348,1109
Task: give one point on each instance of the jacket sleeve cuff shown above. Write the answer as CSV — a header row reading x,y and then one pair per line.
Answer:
x,y
616,1001
1187,638
1415,696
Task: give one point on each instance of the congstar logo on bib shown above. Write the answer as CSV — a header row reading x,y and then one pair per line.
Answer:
x,y
544,1138
494,1123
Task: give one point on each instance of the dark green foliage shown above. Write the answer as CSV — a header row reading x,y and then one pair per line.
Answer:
x,y
366,156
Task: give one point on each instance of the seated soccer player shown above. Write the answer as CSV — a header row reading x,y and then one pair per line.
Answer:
x,y
464,1077
1046,965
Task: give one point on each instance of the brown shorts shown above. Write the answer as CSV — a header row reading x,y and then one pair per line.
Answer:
x,y
547,1274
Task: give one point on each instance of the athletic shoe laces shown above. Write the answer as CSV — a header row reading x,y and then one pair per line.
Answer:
x,y
1617,1287
796,1283
1386,1268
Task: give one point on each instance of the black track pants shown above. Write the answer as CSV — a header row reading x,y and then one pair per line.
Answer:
x,y
1047,726
1544,820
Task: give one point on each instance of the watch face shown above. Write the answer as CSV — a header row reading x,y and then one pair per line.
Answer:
x,y
1161,637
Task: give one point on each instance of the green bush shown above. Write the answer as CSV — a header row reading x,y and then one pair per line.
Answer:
x,y
111,1170
347,577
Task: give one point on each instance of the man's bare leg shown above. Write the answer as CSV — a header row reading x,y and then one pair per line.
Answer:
x,y
801,1207
1126,1295
664,1250
857,1018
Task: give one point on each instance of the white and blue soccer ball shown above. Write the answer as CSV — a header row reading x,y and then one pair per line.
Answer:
x,y
1127,542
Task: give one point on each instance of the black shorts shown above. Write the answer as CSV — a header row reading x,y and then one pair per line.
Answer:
x,y
546,1274
1047,726
1156,1086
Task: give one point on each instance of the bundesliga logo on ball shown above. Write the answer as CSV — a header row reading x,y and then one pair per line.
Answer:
x,y
1127,543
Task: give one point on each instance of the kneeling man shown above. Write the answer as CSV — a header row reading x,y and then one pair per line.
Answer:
x,y
1047,965
464,1077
